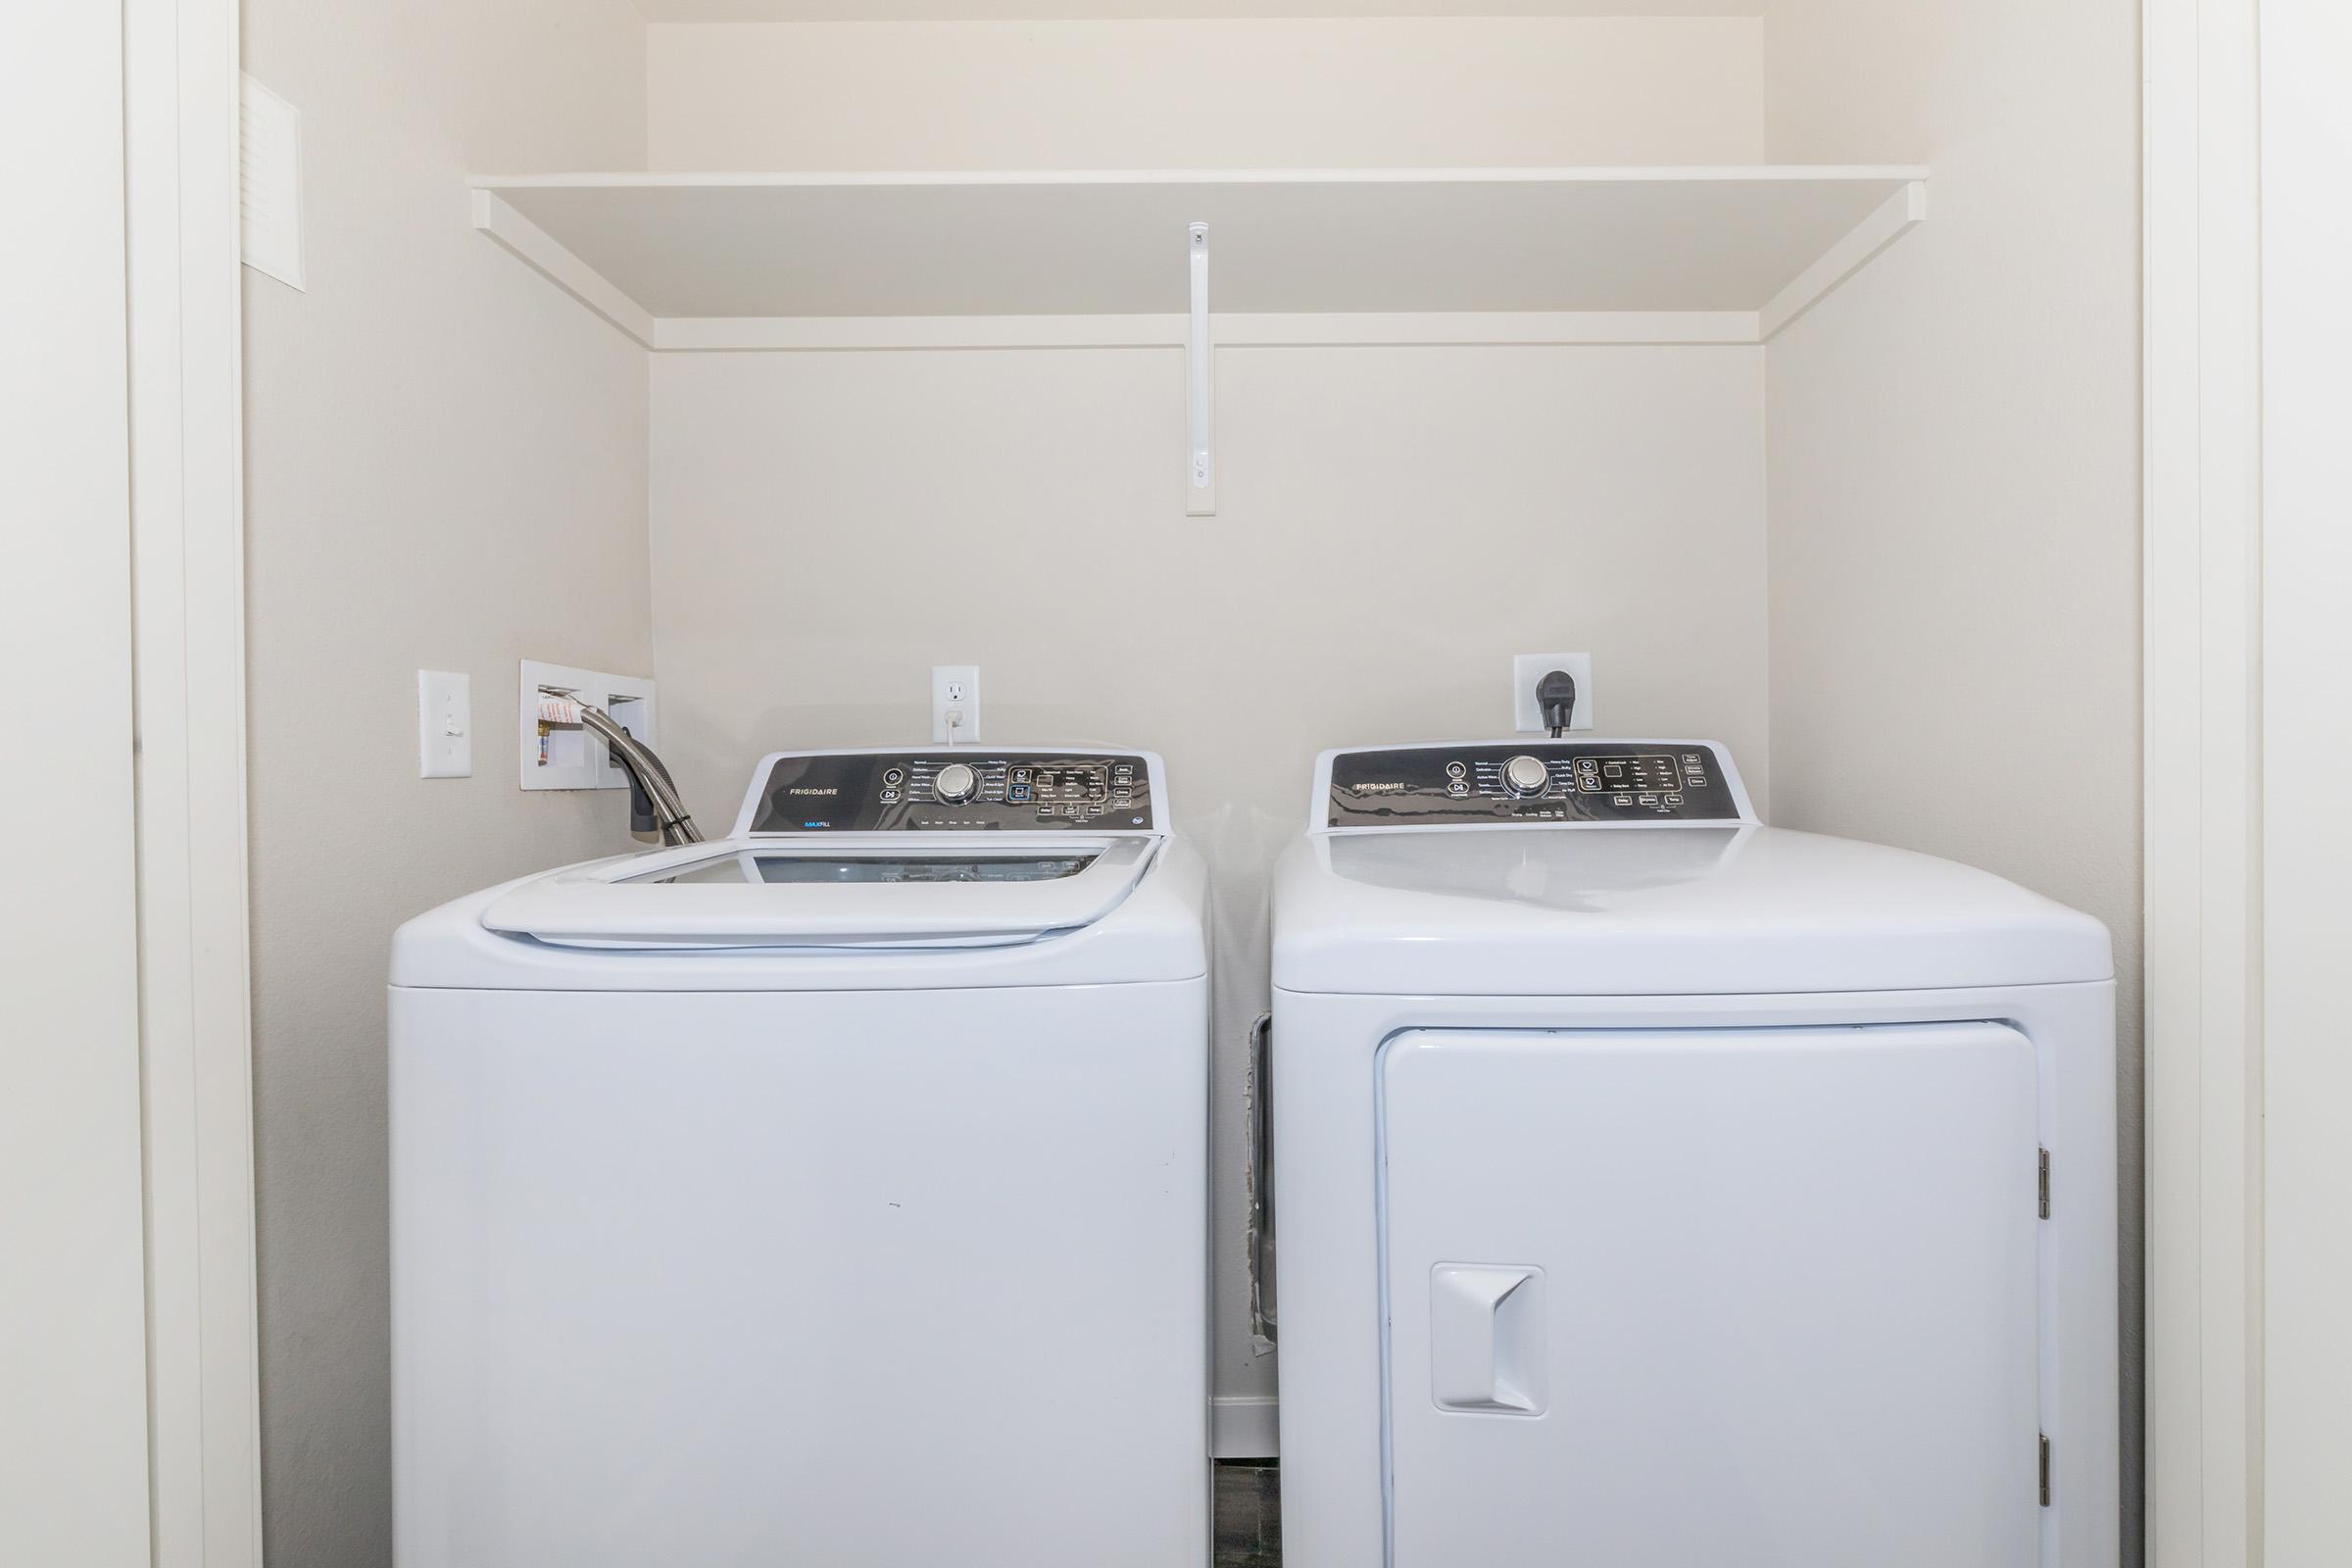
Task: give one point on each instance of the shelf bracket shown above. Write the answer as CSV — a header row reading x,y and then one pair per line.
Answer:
x,y
1201,473
497,217
1894,218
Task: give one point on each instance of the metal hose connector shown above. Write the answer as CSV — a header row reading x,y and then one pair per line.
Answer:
x,y
669,811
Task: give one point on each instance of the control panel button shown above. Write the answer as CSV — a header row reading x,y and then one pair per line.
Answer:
x,y
1526,775
956,783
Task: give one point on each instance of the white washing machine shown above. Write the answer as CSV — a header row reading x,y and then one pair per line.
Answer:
x,y
830,1194
1656,1187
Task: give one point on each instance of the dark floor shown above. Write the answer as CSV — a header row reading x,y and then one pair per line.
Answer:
x,y
1249,1513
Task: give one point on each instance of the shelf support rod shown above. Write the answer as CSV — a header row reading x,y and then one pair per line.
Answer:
x,y
1200,474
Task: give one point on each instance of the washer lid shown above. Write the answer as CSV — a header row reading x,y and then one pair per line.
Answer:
x,y
1733,909
873,889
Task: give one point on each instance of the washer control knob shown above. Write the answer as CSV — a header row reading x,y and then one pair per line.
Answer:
x,y
1526,775
957,783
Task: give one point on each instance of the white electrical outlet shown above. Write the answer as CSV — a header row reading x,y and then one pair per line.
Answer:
x,y
956,703
1528,672
444,724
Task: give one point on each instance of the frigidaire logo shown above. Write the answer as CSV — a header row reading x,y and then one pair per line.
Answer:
x,y
809,789
1384,787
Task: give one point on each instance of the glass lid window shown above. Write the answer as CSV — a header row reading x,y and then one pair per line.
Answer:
x,y
842,869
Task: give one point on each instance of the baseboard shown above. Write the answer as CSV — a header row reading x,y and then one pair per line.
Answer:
x,y
1243,1426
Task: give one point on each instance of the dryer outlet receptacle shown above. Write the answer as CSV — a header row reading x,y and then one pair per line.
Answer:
x,y
1526,675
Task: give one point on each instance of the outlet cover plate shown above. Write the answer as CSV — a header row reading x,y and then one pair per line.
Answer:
x,y
1529,669
947,680
572,758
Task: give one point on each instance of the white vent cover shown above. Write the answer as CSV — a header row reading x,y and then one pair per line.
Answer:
x,y
269,143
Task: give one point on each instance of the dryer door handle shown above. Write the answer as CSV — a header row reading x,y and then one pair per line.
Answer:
x,y
1486,1338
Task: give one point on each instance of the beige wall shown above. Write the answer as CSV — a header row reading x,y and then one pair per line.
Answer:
x,y
1395,524
1206,94
1955,473
446,469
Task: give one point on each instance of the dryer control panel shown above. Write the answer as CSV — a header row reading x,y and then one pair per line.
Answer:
x,y
965,790
1533,782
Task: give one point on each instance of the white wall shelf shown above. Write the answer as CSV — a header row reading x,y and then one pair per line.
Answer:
x,y
685,262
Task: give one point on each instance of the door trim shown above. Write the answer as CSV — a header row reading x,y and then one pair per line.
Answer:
x,y
183,222
2202,542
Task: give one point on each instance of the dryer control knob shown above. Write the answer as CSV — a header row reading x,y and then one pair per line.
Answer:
x,y
1526,775
957,783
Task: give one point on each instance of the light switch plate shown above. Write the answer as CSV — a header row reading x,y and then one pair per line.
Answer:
x,y
444,724
1527,673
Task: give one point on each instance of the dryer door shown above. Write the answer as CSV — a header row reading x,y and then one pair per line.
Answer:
x,y
1695,1298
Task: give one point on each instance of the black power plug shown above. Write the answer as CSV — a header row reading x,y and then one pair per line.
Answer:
x,y
1555,694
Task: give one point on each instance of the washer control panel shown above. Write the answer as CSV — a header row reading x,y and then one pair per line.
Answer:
x,y
969,790
1532,782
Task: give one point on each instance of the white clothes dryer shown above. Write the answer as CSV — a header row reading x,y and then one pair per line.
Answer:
x,y
832,1194
1657,1186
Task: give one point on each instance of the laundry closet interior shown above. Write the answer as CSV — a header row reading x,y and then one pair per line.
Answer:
x,y
1228,386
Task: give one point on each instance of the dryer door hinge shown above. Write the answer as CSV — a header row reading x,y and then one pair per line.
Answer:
x,y
2045,1183
2045,1472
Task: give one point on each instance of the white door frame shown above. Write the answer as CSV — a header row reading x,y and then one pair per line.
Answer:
x,y
73,1453
181,201
2203,550
129,1416
2304,1444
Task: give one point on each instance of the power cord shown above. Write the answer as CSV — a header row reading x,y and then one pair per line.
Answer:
x,y
1555,694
